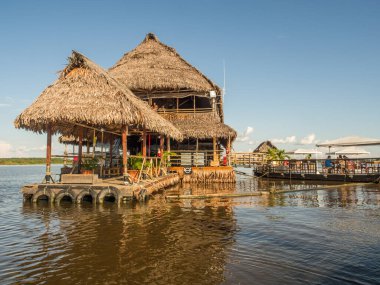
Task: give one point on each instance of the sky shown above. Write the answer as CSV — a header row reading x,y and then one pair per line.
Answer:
x,y
297,72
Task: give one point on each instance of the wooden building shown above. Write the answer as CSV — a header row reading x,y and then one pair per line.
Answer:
x,y
89,104
180,93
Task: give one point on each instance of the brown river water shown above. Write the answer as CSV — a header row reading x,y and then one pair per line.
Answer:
x,y
329,236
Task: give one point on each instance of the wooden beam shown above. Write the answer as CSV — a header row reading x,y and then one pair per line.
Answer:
x,y
162,141
111,145
80,145
125,149
196,153
144,143
168,146
229,151
48,154
215,155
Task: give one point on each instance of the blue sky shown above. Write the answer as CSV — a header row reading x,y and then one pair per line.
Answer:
x,y
296,71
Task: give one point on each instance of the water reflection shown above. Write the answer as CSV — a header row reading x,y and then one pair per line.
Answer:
x,y
319,236
143,243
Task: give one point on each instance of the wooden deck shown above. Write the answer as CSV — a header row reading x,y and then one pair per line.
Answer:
x,y
99,191
206,174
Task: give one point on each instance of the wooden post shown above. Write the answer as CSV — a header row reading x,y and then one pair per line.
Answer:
x,y
168,146
196,153
88,146
125,149
80,148
93,144
214,150
229,151
162,145
48,154
177,104
111,152
144,143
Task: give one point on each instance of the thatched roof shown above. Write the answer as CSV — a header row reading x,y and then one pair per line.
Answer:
x,y
200,125
86,94
264,146
154,66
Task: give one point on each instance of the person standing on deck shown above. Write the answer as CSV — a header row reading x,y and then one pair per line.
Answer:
x,y
328,164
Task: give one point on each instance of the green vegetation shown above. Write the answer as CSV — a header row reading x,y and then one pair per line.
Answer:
x,y
277,154
28,160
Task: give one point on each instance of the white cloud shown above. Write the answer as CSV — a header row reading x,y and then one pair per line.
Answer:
x,y
5,149
309,139
245,136
287,140
4,105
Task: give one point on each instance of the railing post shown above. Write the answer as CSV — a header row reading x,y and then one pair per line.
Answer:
x,y
48,154
80,145
124,134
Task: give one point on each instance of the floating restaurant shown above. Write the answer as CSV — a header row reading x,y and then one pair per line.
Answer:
x,y
156,119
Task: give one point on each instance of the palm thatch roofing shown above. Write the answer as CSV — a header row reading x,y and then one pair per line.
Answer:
x,y
154,66
86,94
201,125
264,146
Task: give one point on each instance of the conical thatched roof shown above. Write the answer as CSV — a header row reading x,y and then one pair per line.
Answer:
x,y
86,94
264,146
154,66
200,125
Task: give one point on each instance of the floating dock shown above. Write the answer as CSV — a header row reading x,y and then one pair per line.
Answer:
x,y
99,191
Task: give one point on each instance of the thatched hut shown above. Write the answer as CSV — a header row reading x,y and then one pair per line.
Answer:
x,y
264,147
193,103
86,98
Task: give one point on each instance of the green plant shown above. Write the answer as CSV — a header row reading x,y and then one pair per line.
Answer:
x,y
165,157
277,154
90,163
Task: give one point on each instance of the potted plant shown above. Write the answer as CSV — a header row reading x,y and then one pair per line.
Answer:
x,y
89,165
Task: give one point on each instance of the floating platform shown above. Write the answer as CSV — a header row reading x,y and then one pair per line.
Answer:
x,y
92,189
205,174
372,177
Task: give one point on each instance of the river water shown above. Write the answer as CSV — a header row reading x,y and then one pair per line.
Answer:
x,y
327,236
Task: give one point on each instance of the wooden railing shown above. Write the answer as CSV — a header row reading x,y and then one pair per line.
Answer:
x,y
246,159
317,166
185,111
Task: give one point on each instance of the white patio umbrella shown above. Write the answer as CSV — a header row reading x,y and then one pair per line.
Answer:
x,y
351,151
304,151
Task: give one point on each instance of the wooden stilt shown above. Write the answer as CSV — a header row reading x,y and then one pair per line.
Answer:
x,y
144,143
80,145
93,144
111,150
229,151
168,146
162,141
124,134
215,161
88,147
48,155
196,153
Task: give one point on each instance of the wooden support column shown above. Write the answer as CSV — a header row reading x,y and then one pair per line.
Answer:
x,y
93,144
144,143
215,155
229,151
168,146
88,146
162,141
80,145
111,150
48,155
196,152
124,134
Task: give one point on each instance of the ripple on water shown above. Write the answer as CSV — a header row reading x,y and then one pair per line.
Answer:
x,y
316,237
